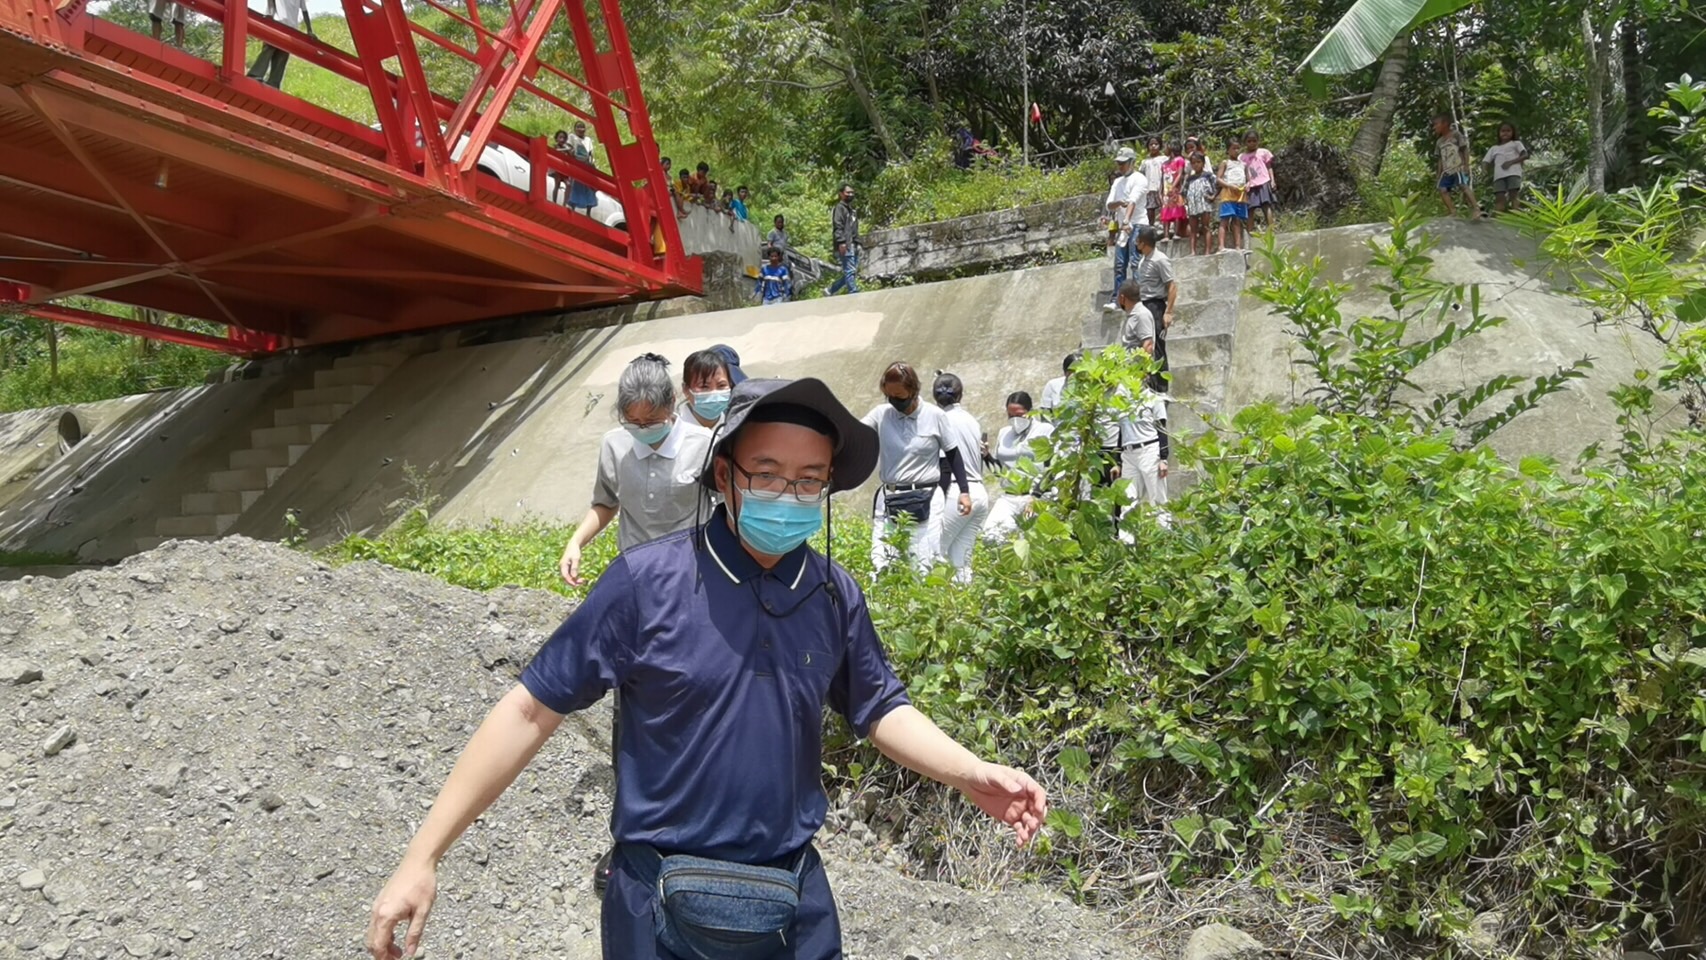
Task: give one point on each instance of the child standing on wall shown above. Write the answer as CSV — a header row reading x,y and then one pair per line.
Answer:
x,y
1258,162
1200,187
1506,158
1154,173
1453,149
1232,176
1173,216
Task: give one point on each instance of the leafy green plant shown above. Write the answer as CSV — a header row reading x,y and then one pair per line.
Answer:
x,y
1364,366
1634,258
1682,116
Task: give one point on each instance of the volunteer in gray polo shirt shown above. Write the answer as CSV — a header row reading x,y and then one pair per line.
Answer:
x,y
917,453
1156,288
648,468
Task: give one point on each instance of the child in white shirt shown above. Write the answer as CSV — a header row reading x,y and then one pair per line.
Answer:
x,y
1506,158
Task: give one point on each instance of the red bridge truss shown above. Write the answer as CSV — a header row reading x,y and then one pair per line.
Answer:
x,y
136,172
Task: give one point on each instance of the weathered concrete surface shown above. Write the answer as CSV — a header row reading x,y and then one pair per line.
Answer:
x,y
932,250
511,429
508,428
140,455
1544,331
705,231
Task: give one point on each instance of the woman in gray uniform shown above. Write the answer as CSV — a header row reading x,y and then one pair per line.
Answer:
x,y
648,468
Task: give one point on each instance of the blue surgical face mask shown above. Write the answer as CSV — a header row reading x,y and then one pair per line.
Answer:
x,y
711,403
650,436
774,527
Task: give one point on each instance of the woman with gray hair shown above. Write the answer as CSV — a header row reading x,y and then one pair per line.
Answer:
x,y
648,468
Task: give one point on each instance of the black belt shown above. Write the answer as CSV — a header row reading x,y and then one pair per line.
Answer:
x,y
1140,446
908,487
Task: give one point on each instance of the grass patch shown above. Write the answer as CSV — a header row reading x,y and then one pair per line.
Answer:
x,y
96,365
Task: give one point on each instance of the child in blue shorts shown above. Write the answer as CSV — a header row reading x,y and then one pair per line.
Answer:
x,y
1453,148
1233,176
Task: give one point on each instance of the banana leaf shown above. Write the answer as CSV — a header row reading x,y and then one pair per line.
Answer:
x,y
1365,31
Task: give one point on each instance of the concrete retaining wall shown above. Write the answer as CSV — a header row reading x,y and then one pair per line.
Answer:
x,y
989,240
510,429
1544,331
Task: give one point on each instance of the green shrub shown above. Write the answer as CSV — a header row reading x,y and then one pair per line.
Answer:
x,y
1390,680
93,365
929,187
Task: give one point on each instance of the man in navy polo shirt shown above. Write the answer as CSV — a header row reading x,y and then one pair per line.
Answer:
x,y
726,642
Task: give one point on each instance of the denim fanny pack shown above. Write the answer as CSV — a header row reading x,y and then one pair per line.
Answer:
x,y
709,909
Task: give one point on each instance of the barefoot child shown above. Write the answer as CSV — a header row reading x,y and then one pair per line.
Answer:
x,y
1232,176
1200,187
1453,149
1173,216
1506,158
1154,173
1258,162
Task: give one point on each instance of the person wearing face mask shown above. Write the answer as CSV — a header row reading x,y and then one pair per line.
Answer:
x,y
705,387
956,531
727,643
918,454
647,467
1012,445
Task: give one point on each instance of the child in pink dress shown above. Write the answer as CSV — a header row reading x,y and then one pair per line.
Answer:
x,y
1173,217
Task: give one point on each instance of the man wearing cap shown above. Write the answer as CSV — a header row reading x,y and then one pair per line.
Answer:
x,y
1125,209
1157,288
726,642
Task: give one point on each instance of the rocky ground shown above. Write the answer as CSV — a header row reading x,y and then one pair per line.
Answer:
x,y
218,750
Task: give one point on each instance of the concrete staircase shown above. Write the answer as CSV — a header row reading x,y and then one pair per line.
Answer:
x,y
227,494
1199,346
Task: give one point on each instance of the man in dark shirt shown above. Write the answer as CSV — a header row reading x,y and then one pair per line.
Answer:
x,y
726,642
844,234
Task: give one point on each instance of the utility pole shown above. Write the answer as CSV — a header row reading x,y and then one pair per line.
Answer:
x,y
1025,77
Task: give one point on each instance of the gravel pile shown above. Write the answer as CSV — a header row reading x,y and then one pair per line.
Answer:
x,y
220,750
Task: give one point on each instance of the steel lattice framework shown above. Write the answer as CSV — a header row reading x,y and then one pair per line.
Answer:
x,y
136,172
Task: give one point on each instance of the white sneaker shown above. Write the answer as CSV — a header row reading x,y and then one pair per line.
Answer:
x,y
1110,305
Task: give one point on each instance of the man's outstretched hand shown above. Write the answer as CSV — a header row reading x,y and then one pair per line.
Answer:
x,y
405,902
1010,796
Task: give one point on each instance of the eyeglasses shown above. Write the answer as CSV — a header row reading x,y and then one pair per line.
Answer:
x,y
770,486
647,425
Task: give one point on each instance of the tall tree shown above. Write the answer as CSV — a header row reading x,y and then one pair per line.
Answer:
x,y
1368,147
1369,30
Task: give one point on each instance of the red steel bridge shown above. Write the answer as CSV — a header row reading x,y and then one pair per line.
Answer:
x,y
133,171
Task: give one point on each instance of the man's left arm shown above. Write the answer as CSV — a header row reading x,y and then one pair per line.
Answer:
x,y
871,697
912,740
1172,294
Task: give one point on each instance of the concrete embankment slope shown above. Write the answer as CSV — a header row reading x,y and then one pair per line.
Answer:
x,y
487,427
526,416
504,429
1542,331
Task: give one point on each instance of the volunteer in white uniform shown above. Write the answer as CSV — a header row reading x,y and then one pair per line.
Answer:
x,y
1143,451
648,468
1012,445
1053,389
705,388
956,532
915,449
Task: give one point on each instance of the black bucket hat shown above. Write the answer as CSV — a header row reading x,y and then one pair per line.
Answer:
x,y
855,443
730,357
